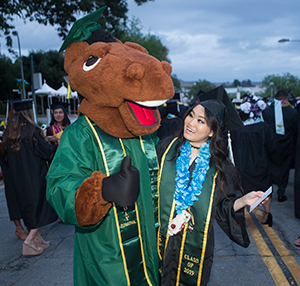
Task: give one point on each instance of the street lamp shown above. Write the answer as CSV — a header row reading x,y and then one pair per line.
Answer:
x,y
287,40
15,33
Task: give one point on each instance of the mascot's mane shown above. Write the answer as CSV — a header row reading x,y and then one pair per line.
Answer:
x,y
101,36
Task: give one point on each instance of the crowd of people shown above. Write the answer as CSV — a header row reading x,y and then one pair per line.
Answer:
x,y
263,140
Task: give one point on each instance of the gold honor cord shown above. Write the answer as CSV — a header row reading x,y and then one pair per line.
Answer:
x,y
114,206
158,185
138,219
206,230
142,249
142,143
100,145
116,213
181,253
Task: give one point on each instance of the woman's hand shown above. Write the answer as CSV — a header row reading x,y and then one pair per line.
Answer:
x,y
52,138
249,199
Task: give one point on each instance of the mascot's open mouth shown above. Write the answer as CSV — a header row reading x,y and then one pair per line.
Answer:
x,y
144,112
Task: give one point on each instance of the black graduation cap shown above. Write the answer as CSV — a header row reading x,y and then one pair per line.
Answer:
x,y
21,104
59,104
219,104
82,29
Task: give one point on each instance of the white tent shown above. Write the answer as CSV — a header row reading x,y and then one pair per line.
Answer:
x,y
45,90
62,93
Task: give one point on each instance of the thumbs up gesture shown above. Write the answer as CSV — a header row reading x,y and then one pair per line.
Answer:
x,y
124,186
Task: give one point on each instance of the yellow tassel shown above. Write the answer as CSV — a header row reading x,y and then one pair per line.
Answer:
x,y
3,124
69,91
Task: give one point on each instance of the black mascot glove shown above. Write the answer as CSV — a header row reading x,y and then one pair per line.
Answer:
x,y
124,186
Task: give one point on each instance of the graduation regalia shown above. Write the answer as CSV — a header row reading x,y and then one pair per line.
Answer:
x,y
10,193
91,181
27,173
283,157
297,177
251,147
124,240
187,257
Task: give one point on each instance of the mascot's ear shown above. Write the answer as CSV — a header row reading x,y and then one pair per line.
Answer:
x,y
73,52
137,47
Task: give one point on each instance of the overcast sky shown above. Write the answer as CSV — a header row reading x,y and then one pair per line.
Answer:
x,y
215,40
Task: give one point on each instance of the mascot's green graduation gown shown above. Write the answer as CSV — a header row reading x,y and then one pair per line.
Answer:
x,y
125,239
187,257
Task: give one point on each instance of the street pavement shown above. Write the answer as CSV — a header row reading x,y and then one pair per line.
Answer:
x,y
233,265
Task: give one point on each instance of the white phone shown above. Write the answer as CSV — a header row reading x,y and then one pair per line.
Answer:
x,y
254,205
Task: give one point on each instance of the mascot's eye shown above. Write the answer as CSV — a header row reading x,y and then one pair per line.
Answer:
x,y
91,63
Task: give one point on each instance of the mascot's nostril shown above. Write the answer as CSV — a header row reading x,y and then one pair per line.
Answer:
x,y
167,67
135,71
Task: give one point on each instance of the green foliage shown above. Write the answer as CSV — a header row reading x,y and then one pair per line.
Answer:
x,y
176,82
200,85
62,13
49,64
151,43
285,82
246,83
9,73
236,83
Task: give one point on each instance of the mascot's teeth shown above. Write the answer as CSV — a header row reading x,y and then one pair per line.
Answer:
x,y
152,103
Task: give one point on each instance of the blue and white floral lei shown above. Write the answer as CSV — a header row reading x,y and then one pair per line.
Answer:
x,y
186,194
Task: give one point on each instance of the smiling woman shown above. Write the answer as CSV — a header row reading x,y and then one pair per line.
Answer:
x,y
198,184
59,122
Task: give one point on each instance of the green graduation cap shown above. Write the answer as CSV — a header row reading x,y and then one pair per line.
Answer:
x,y
83,28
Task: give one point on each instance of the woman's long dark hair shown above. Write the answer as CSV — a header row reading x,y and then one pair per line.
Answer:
x,y
66,120
13,134
217,147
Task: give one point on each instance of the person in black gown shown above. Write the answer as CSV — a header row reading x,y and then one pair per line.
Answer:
x,y
251,146
197,184
171,113
11,200
282,159
26,156
59,121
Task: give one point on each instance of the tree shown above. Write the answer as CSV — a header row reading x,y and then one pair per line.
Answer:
x,y
50,64
285,82
151,43
8,77
176,82
200,85
236,83
62,13
246,83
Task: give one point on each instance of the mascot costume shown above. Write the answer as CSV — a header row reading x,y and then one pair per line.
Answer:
x,y
104,174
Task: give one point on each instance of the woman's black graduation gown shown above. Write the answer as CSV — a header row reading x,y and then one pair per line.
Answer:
x,y
27,173
282,160
251,146
232,223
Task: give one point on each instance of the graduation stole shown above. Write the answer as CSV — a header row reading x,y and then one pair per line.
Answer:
x,y
193,244
55,131
127,219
